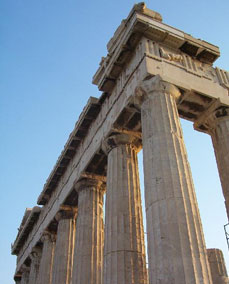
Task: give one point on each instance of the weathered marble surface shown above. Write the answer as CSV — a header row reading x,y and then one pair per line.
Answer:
x,y
176,245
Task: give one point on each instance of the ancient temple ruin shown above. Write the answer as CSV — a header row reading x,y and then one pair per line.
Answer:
x,y
152,75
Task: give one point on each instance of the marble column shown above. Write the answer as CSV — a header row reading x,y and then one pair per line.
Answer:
x,y
216,123
35,264
89,239
25,274
176,246
45,272
124,253
217,266
63,257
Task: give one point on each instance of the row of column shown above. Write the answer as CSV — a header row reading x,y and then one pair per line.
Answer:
x,y
176,246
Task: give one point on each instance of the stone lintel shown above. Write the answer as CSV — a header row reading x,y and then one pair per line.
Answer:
x,y
86,118
25,229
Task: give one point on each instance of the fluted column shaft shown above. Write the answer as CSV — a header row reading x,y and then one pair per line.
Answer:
x,y
217,266
216,123
220,140
63,257
176,246
89,238
35,264
124,254
25,275
46,263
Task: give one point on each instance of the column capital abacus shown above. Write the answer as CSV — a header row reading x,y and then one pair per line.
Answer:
x,y
117,139
48,236
24,268
35,253
153,85
90,184
209,119
66,212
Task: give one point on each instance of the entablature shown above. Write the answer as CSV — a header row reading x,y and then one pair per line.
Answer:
x,y
82,126
141,23
30,218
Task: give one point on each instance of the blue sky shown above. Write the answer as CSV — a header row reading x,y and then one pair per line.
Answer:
x,y
49,51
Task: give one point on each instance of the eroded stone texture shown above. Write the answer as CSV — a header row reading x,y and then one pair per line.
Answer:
x,y
46,263
124,254
25,274
63,257
35,264
89,240
176,245
216,123
217,266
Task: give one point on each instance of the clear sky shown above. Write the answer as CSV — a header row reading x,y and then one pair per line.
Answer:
x,y
49,51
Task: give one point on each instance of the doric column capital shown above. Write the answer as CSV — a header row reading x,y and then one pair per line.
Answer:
x,y
154,85
90,184
35,253
24,268
209,119
117,139
66,212
48,236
